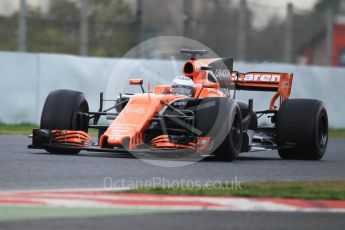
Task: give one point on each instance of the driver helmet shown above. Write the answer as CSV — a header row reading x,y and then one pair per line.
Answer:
x,y
183,86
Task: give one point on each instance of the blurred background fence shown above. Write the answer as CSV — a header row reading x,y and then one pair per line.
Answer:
x,y
248,30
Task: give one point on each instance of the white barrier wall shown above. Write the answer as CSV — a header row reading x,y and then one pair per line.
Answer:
x,y
26,80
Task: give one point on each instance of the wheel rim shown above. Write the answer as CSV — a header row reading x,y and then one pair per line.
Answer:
x,y
323,132
83,107
236,133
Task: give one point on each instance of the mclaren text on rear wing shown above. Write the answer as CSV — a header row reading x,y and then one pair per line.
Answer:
x,y
264,81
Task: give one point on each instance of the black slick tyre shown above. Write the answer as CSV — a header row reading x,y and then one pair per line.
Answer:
x,y
302,129
60,112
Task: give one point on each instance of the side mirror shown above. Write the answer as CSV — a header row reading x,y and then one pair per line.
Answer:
x,y
211,85
136,81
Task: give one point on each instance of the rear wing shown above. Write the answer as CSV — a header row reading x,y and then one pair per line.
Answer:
x,y
264,81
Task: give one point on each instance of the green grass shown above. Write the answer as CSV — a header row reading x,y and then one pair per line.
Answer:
x,y
337,132
21,129
26,129
329,190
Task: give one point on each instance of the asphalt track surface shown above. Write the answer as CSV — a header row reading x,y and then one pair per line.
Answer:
x,y
191,220
22,169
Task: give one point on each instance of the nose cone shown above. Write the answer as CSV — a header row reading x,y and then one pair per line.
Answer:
x,y
127,128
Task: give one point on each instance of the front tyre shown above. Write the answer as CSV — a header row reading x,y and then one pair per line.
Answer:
x,y
220,118
60,112
302,129
230,148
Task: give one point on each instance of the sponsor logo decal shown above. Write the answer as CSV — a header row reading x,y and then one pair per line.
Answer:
x,y
257,77
285,85
139,110
225,77
222,74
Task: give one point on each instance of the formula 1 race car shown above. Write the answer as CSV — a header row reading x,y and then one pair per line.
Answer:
x,y
195,115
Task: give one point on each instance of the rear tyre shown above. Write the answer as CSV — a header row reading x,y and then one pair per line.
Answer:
x,y
302,129
60,112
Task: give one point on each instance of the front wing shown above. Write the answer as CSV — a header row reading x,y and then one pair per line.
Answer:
x,y
64,141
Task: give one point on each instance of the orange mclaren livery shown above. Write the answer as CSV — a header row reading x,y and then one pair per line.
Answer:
x,y
197,114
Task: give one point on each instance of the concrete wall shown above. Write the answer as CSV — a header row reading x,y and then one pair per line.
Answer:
x,y
26,80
